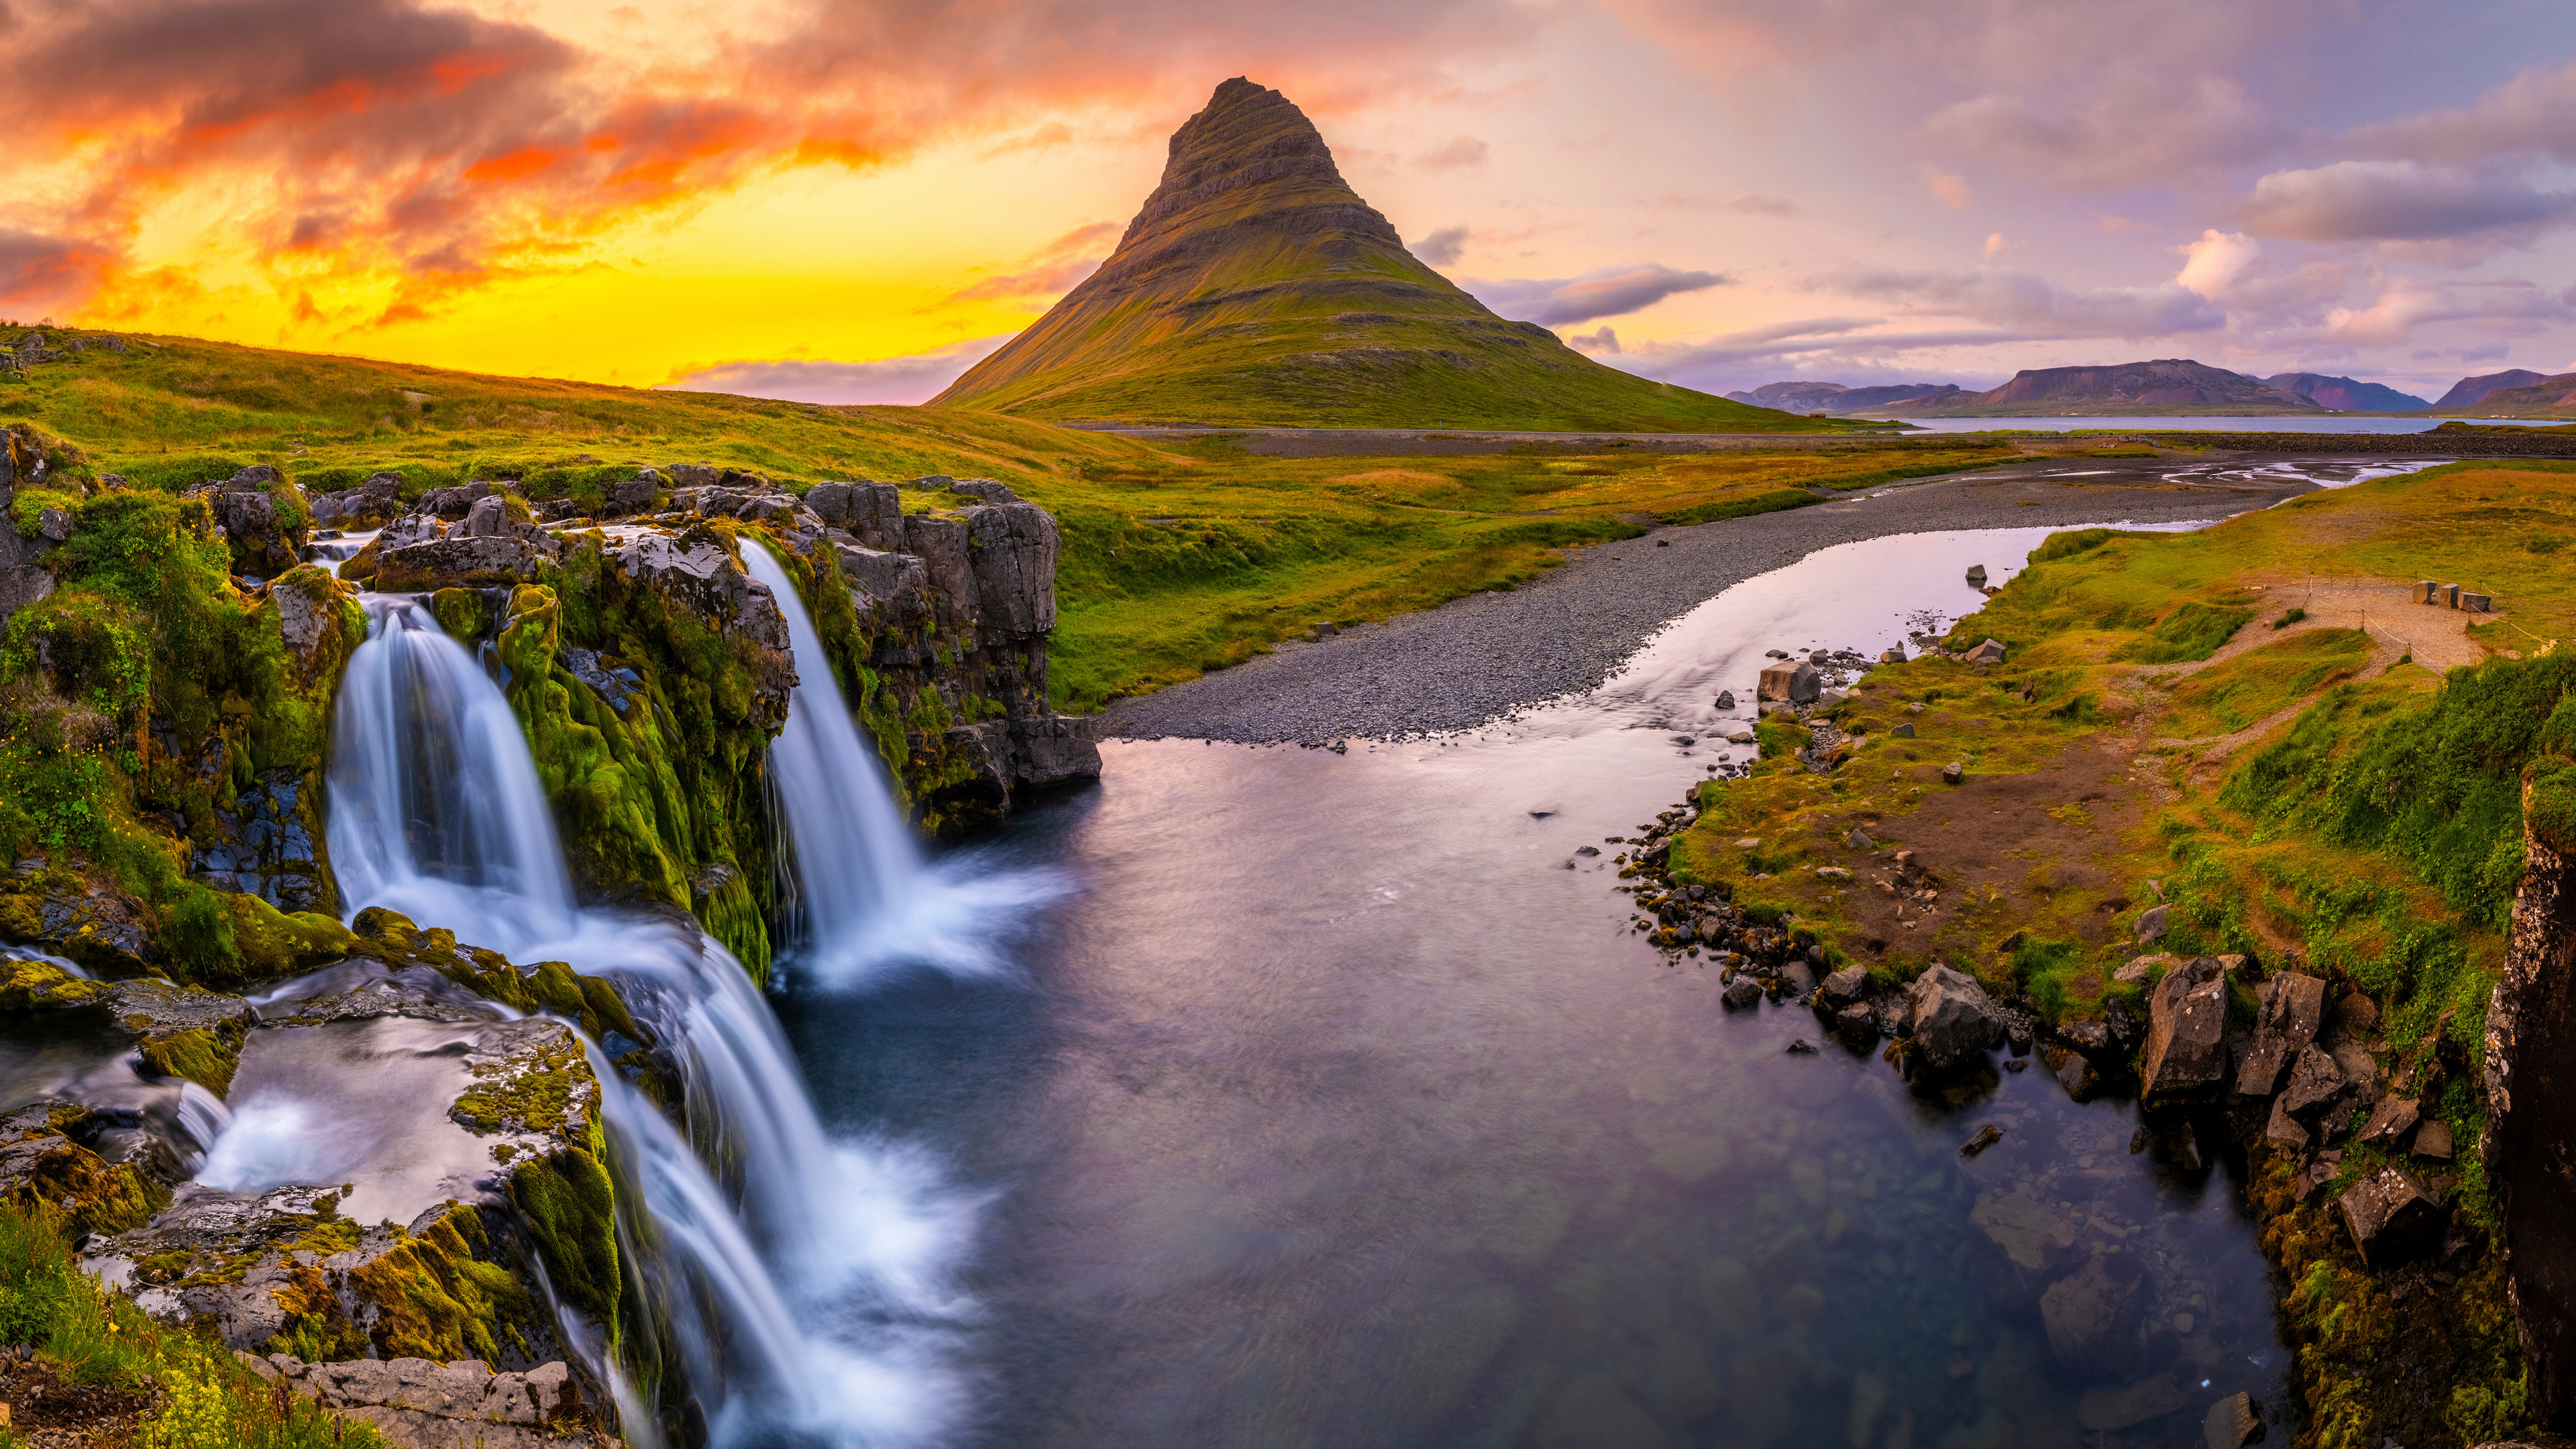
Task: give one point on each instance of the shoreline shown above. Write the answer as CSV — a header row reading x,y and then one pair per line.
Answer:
x,y
1492,654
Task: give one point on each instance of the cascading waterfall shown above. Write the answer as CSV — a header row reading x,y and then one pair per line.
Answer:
x,y
436,812
868,901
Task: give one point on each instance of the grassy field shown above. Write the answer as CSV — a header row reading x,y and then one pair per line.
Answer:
x,y
1179,558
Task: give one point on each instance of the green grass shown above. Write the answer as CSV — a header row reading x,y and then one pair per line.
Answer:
x,y
1178,558
87,1335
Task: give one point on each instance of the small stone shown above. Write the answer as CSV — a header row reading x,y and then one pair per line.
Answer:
x,y
2141,967
2283,1131
1987,1136
1856,1023
1741,993
1748,842
1903,731
1801,1047
2151,923
1844,986
2389,1123
2390,1216
1726,699
2233,1423
1832,872
2183,1322
2433,1140
1990,652
1859,840
1952,772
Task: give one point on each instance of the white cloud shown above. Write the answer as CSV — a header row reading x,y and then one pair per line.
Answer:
x,y
914,378
2218,262
2398,201
1610,292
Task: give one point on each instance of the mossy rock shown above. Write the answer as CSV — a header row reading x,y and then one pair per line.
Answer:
x,y
44,986
440,1294
568,1204
42,1170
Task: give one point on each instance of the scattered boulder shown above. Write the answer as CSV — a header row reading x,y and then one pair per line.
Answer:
x,y
2315,1084
1791,683
1859,840
1741,993
1857,1024
2186,1030
2151,923
1952,773
2292,1007
1846,985
2433,1140
245,508
2283,1132
1952,1022
375,501
2390,1120
2391,1217
1726,699
1990,652
2076,1074
1903,731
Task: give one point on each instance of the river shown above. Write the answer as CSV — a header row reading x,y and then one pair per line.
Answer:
x,y
1332,1108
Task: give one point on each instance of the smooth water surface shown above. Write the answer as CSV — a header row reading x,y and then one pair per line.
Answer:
x,y
1336,1109
2333,423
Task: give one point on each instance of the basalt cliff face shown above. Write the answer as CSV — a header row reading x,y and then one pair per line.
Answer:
x,y
1256,286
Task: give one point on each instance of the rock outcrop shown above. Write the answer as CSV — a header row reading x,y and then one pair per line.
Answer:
x,y
2186,1030
418,1403
24,579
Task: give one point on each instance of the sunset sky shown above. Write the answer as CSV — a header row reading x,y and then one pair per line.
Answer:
x,y
854,199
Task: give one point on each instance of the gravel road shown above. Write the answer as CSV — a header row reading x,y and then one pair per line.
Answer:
x,y
1483,656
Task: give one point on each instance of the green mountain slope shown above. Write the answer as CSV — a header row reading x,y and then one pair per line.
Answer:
x,y
1255,287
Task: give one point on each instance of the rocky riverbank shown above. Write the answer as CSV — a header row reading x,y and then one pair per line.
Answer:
x,y
2109,829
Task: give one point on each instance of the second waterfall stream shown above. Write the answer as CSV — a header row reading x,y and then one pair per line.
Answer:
x,y
804,1285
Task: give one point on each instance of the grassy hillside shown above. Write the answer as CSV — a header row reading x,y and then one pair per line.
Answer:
x,y
1256,288
1178,558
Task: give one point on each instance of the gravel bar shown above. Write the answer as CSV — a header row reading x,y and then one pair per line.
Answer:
x,y
1484,656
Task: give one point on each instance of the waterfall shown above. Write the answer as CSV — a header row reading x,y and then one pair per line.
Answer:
x,y
865,898
435,807
809,1300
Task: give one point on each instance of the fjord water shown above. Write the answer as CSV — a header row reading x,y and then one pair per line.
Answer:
x,y
803,1287
1334,1108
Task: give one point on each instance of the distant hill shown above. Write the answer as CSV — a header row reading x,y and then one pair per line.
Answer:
x,y
1256,287
2468,392
2129,389
2542,397
2345,395
1833,397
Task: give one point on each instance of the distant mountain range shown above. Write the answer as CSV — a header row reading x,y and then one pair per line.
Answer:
x,y
2130,389
2468,392
2166,386
2347,396
1833,397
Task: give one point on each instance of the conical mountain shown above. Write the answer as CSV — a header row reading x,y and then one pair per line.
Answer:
x,y
1257,288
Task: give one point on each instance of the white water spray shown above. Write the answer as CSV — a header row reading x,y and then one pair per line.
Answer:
x,y
436,813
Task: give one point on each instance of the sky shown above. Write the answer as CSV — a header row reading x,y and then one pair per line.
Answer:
x,y
853,200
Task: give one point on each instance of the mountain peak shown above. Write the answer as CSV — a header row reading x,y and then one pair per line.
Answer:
x,y
1255,286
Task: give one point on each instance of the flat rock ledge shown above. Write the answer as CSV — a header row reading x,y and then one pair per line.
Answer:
x,y
417,1403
